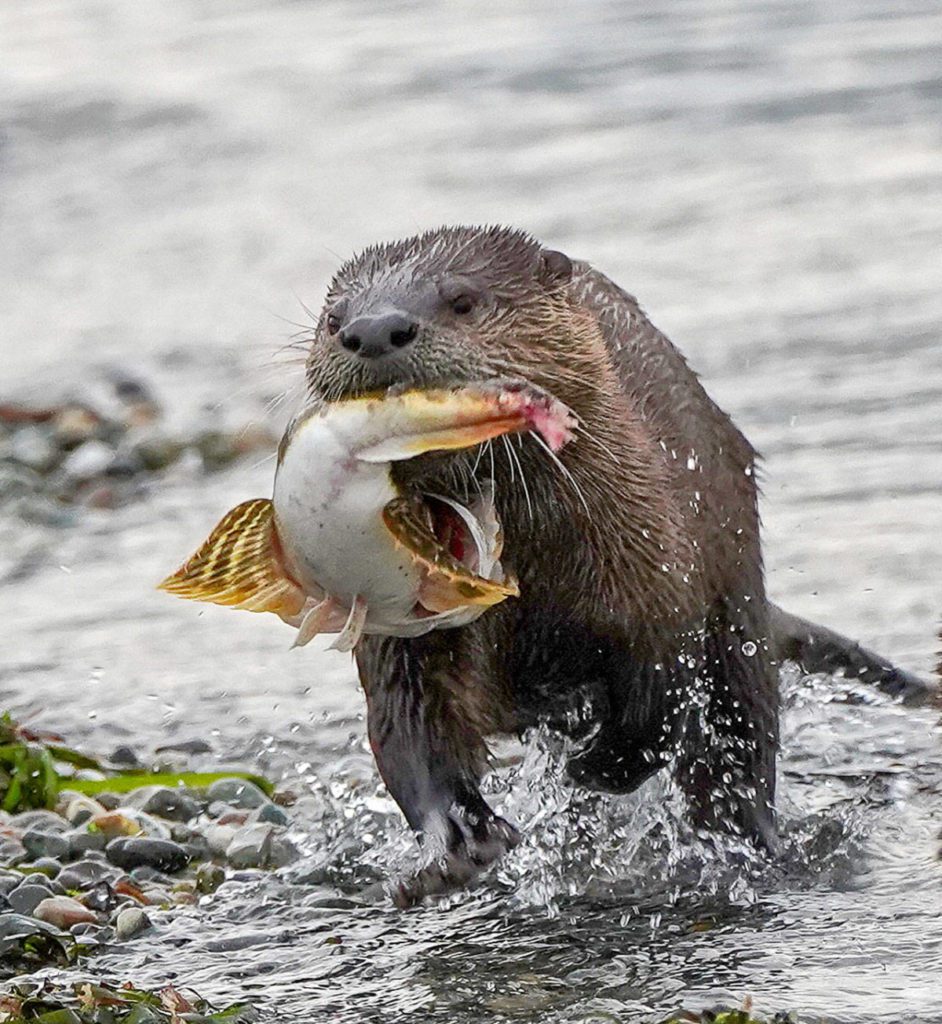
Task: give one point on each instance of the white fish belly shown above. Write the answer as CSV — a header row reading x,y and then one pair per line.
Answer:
x,y
328,510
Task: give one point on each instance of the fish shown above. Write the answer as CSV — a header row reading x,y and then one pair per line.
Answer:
x,y
341,548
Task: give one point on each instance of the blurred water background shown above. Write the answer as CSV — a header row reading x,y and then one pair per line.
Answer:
x,y
178,178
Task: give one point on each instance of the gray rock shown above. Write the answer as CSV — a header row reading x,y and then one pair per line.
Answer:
x,y
260,846
165,802
11,851
209,877
268,813
83,808
18,926
81,841
47,866
38,878
40,843
110,801
87,873
125,755
219,837
26,898
237,793
44,821
131,921
135,851
9,880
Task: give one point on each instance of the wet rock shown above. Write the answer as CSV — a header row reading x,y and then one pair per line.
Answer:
x,y
38,878
45,821
81,841
237,793
11,851
82,809
89,460
26,898
165,802
33,447
209,877
157,451
48,866
63,912
39,843
100,897
9,880
125,755
86,874
110,801
270,814
260,846
163,854
131,921
219,837
189,747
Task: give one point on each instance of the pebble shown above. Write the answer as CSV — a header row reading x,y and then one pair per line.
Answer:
x,y
87,873
90,459
48,866
260,846
11,851
32,447
219,837
165,802
268,813
13,926
82,809
131,921
209,877
82,841
44,821
125,755
62,911
133,852
38,843
9,880
237,793
26,898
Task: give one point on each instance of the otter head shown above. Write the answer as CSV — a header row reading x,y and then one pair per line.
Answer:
x,y
452,306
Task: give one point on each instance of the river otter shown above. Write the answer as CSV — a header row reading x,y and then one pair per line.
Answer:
x,y
642,627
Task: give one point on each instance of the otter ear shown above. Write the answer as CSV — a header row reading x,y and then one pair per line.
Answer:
x,y
555,268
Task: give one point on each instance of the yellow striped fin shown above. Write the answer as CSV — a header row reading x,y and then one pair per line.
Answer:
x,y
239,565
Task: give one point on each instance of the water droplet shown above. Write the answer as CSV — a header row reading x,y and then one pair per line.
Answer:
x,y
749,648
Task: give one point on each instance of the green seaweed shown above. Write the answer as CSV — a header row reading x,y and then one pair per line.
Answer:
x,y
35,768
98,1003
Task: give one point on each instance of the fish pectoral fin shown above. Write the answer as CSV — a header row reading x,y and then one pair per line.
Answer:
x,y
316,620
239,566
448,583
353,628
407,446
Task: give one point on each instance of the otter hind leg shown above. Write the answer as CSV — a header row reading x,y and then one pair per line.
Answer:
x,y
430,753
726,764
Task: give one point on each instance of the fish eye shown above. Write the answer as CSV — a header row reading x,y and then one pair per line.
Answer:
x,y
462,304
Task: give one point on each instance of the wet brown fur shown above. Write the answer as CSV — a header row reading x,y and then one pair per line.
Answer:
x,y
640,572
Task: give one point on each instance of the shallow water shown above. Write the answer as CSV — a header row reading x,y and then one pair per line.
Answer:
x,y
767,177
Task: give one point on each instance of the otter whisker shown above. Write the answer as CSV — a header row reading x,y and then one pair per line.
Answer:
x,y
582,429
514,459
565,472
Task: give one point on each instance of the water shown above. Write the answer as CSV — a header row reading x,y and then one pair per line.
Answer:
x,y
767,177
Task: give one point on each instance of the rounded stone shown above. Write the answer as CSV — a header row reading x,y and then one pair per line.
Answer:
x,y
26,898
40,820
237,793
81,841
270,814
48,866
260,846
132,852
63,912
83,809
165,802
87,873
12,852
131,921
40,843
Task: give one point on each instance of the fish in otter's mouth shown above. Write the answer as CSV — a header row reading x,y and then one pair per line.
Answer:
x,y
340,548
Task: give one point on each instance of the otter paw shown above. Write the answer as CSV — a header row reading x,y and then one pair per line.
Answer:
x,y
470,852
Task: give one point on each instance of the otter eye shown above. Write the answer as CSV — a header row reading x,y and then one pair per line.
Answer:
x,y
462,304
333,323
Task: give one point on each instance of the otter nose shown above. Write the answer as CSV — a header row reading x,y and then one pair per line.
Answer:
x,y
373,336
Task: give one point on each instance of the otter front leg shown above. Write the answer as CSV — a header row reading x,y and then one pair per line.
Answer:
x,y
426,735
